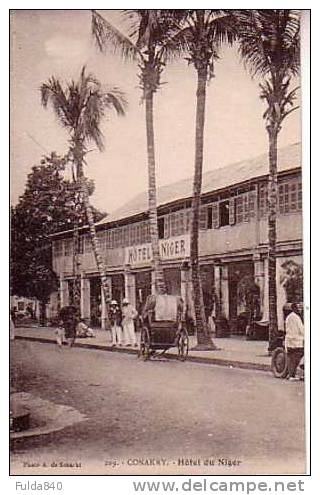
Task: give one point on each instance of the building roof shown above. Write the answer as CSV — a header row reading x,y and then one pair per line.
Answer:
x,y
214,180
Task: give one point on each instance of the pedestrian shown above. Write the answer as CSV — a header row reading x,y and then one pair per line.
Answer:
x,y
12,328
60,334
115,317
129,313
294,341
69,318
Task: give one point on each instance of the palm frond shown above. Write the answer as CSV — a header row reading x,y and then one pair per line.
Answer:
x,y
221,28
116,99
179,44
52,92
269,40
81,106
106,35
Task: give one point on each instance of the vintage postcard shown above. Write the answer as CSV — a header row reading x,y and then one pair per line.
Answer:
x,y
158,324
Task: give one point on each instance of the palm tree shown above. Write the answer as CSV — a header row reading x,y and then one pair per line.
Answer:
x,y
269,45
80,108
152,29
201,37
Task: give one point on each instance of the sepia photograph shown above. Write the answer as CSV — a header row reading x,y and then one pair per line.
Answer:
x,y
159,313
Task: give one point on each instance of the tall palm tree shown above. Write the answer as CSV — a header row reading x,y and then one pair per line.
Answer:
x,y
200,38
151,31
270,47
80,107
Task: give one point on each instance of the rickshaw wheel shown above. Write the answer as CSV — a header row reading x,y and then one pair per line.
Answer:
x,y
279,363
183,344
145,344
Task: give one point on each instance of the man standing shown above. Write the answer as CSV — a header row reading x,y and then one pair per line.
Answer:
x,y
115,318
294,340
129,313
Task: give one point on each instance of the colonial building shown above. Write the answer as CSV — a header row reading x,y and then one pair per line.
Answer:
x,y
233,242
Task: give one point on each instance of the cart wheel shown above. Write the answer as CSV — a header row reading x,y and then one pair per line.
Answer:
x,y
183,344
279,363
145,344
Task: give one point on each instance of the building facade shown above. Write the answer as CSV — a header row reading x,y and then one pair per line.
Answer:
x,y
233,243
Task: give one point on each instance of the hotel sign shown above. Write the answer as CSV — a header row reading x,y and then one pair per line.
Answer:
x,y
170,249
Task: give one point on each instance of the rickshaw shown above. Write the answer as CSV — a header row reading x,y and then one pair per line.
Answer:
x,y
163,327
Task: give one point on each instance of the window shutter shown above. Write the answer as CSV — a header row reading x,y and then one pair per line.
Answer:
x,y
166,226
232,217
252,204
203,218
215,216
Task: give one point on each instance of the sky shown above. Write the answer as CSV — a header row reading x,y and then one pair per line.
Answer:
x,y
46,43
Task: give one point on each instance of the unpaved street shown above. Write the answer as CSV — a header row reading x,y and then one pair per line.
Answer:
x,y
158,416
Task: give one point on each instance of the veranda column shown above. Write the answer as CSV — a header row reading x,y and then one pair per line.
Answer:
x,y
224,291
265,313
217,290
130,286
64,292
185,283
153,282
85,298
259,278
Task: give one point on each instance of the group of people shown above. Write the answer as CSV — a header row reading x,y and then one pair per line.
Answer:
x,y
121,320
70,326
122,323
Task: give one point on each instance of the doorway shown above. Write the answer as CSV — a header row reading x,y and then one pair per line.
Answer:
x,y
241,283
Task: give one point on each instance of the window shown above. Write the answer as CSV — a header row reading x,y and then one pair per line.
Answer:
x,y
108,239
161,227
209,217
145,232
87,244
290,197
68,247
263,200
203,225
81,244
125,236
224,213
133,234
58,248
188,219
101,241
299,196
20,306
176,220
245,207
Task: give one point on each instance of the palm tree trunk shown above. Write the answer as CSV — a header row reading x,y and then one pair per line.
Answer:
x,y
95,246
203,337
152,197
79,154
76,293
272,235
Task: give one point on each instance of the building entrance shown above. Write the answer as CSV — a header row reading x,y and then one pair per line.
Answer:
x,y
172,278
244,296
143,288
207,283
117,287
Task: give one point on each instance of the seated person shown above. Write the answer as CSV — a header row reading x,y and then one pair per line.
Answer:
x,y
83,330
